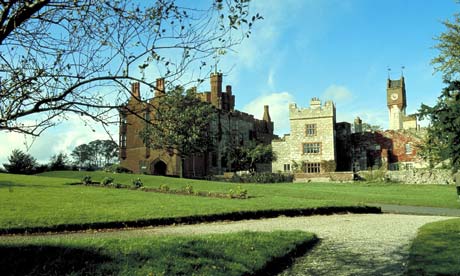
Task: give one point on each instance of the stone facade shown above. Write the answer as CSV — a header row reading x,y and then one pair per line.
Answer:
x,y
230,127
311,141
338,149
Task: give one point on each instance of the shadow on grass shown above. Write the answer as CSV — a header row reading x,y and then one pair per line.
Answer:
x,y
9,184
52,260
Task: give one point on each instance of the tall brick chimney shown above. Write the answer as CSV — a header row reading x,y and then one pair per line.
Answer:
x,y
160,87
135,91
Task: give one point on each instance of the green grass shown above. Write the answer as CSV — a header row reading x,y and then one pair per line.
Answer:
x,y
436,249
223,254
46,200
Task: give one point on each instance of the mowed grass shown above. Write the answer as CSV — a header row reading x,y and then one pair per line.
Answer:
x,y
48,199
218,254
436,249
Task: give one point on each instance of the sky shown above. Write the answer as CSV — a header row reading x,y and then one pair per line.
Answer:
x,y
337,50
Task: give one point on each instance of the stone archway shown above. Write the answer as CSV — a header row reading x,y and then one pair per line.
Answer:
x,y
158,168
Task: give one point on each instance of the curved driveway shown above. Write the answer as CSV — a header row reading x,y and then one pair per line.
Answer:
x,y
354,244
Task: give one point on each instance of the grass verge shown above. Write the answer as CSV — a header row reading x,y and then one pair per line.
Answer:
x,y
47,201
244,253
436,249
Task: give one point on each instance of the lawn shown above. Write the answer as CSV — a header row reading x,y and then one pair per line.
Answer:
x,y
436,249
219,254
48,199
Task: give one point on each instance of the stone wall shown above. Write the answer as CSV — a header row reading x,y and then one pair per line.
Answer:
x,y
421,176
290,148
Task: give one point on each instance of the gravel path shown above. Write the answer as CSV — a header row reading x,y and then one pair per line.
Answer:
x,y
354,244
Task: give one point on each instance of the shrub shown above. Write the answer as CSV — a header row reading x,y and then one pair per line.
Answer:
x,y
239,192
107,181
263,178
164,188
137,183
87,180
116,168
188,189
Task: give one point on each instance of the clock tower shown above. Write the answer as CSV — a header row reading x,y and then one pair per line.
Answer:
x,y
396,101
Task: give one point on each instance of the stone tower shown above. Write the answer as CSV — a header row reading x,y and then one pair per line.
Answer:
x,y
396,101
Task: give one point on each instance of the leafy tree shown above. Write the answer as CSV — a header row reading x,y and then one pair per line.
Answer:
x,y
444,130
245,157
20,163
81,155
59,162
96,153
369,127
57,55
181,124
448,60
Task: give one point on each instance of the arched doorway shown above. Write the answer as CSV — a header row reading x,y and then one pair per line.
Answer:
x,y
158,168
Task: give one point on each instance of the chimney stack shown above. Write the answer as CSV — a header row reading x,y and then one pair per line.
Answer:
x,y
266,117
160,87
135,91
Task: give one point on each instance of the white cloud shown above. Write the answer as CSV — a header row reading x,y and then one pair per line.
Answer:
x,y
337,93
63,138
279,109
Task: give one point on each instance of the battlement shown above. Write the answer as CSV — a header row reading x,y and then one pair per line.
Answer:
x,y
316,110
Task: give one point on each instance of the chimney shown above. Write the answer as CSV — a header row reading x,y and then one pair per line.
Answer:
x,y
216,89
135,91
160,87
315,103
266,117
228,89
358,125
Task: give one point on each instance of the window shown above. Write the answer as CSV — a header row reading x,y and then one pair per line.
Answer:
x,y
312,148
123,140
311,130
287,167
123,118
312,168
408,148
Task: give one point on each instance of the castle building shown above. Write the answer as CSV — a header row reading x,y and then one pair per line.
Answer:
x,y
318,144
231,126
312,142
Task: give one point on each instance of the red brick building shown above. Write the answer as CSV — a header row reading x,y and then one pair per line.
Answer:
x,y
231,125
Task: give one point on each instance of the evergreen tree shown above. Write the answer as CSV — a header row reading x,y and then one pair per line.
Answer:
x,y
444,130
20,163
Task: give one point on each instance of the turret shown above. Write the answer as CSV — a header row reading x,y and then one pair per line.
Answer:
x,y
216,89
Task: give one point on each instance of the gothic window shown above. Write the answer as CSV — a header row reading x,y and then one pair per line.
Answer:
x,y
123,140
312,148
287,167
311,130
312,168
123,118
408,148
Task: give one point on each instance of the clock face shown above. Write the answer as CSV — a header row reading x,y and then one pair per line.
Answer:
x,y
394,96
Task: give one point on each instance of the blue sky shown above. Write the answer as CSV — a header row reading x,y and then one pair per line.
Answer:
x,y
332,49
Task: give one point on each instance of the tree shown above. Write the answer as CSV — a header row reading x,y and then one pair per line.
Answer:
x,y
59,162
444,129
20,163
370,128
82,155
59,57
96,153
245,157
181,124
448,60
